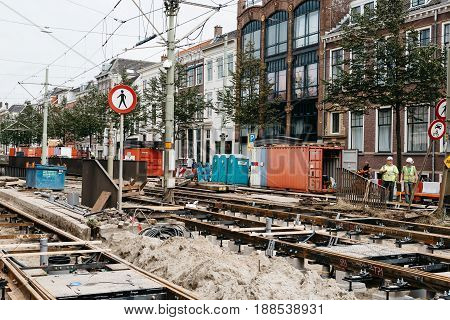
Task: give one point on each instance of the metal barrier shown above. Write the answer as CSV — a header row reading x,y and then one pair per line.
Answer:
x,y
356,189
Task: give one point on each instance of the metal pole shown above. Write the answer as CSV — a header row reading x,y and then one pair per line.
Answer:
x,y
110,151
119,198
225,74
44,129
445,185
171,7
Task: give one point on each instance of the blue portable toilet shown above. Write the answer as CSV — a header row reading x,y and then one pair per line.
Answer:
x,y
201,174
207,172
262,162
215,168
237,170
223,167
46,177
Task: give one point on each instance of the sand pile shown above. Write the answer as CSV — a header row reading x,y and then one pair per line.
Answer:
x,y
214,273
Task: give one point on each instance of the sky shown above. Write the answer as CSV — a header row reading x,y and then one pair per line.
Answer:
x,y
74,38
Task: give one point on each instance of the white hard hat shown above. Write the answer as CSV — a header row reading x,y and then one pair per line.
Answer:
x,y
410,160
390,158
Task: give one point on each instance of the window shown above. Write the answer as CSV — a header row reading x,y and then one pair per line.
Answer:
x,y
335,122
337,62
276,75
208,133
356,131
415,3
219,67
190,77
230,66
306,24
305,76
251,38
209,98
424,37
366,8
199,75
209,70
417,124
384,130
276,33
446,34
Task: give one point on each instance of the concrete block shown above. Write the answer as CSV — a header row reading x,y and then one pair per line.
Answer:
x,y
212,239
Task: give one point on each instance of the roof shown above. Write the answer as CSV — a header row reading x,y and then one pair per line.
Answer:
x,y
117,65
16,108
221,39
195,48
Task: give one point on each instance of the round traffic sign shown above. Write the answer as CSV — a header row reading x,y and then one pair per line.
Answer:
x,y
122,99
436,130
441,109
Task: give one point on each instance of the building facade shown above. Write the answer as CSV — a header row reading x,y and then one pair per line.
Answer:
x,y
285,35
373,133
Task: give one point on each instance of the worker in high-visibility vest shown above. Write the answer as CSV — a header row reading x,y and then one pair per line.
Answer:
x,y
389,176
409,177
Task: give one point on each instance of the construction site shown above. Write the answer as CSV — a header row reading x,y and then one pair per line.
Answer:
x,y
216,241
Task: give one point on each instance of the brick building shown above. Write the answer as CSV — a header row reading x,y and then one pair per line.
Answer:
x,y
285,36
373,133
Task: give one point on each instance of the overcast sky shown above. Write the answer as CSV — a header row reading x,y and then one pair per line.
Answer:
x,y
25,50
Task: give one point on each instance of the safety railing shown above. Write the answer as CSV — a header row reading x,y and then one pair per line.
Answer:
x,y
358,190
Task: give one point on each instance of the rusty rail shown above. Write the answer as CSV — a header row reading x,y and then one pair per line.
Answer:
x,y
358,190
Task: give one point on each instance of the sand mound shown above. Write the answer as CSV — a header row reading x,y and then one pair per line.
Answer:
x,y
214,273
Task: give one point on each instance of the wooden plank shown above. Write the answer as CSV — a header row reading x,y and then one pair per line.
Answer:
x,y
153,208
52,253
23,236
18,224
101,201
8,215
21,246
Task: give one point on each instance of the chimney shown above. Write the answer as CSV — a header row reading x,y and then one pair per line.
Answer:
x,y
217,31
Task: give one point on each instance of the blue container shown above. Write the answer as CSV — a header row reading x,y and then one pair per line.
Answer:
x,y
207,172
201,174
237,170
215,168
223,167
46,177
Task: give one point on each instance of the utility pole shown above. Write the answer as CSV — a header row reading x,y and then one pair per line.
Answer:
x,y
110,150
445,187
44,129
223,136
171,7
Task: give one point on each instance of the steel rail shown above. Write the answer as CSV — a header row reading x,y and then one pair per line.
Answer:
x,y
421,279
37,292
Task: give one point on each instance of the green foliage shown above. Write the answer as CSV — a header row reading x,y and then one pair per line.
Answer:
x,y
249,100
25,129
189,102
386,67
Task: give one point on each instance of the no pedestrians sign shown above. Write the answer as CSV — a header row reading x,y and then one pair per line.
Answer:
x,y
122,99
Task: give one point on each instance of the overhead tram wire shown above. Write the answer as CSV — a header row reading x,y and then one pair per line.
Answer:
x,y
70,48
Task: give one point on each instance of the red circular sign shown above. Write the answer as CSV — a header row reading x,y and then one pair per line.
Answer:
x,y
440,110
436,130
122,99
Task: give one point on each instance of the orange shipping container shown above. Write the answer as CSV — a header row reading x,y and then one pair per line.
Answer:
x,y
287,168
12,152
151,156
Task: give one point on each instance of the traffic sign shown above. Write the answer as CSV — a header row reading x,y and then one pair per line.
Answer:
x,y
436,130
122,99
252,137
441,109
447,161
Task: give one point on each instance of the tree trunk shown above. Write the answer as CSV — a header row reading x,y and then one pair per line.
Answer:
x,y
90,142
398,135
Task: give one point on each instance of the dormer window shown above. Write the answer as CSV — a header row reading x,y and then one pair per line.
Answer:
x,y
416,3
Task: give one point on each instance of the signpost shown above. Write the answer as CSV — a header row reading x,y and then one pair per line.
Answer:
x,y
122,99
436,130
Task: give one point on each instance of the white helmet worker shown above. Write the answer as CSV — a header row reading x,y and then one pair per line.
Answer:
x,y
410,161
390,159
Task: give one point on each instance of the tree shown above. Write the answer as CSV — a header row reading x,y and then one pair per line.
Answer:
x,y
249,100
189,102
88,117
386,66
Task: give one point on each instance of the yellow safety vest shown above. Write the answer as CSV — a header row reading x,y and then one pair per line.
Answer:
x,y
390,174
409,173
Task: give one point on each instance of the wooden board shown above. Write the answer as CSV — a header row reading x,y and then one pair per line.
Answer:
x,y
153,208
101,202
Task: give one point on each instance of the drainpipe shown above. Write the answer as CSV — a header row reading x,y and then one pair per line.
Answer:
x,y
433,157
324,88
